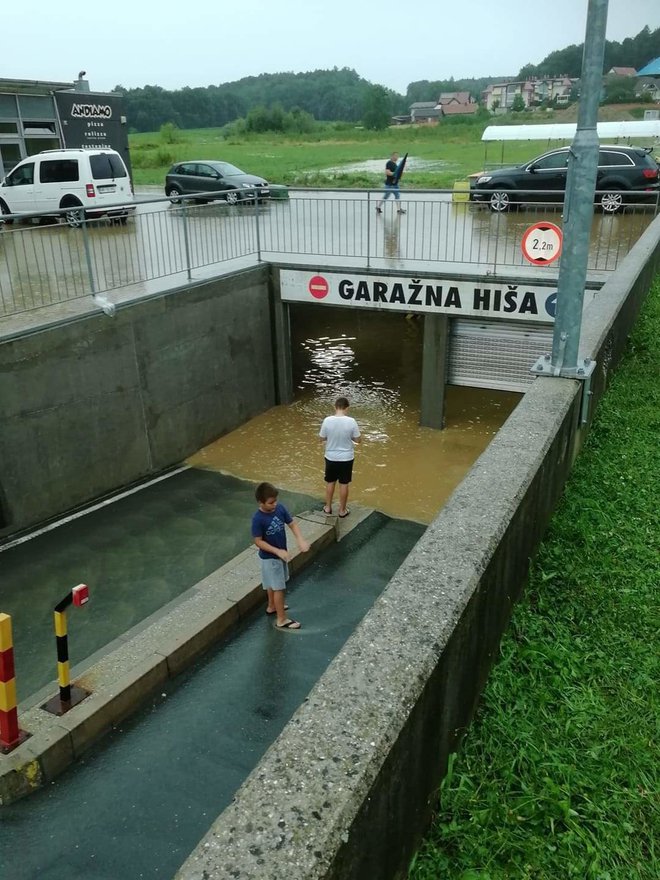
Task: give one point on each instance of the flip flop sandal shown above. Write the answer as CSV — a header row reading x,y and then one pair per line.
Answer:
x,y
343,515
290,624
327,512
286,608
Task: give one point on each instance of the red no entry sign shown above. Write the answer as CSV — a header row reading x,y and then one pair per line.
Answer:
x,y
542,243
318,286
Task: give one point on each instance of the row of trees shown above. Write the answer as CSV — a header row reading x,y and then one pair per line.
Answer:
x,y
290,102
330,95
632,52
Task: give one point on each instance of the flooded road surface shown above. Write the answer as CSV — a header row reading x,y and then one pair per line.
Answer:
x,y
374,360
49,264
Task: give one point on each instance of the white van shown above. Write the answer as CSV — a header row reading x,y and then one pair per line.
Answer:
x,y
54,180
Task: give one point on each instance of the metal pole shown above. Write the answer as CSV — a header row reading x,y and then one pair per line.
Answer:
x,y
256,215
497,240
368,228
88,251
69,695
185,237
62,642
579,202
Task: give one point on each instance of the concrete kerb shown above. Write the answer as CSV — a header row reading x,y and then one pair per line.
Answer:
x,y
126,674
349,786
301,813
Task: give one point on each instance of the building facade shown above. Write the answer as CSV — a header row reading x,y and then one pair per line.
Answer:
x,y
37,115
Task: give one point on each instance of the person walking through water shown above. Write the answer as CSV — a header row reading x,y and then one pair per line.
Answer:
x,y
391,183
340,433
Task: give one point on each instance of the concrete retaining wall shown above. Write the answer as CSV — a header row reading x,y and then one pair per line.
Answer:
x,y
94,403
347,790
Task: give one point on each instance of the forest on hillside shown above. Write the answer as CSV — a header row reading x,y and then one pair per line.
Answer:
x,y
341,94
632,52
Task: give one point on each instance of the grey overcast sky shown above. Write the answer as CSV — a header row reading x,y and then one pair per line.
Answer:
x,y
204,42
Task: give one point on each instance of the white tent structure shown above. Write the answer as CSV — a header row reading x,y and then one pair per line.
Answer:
x,y
608,132
643,128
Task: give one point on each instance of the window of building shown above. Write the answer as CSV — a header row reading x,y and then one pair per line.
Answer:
x,y
36,106
38,128
8,108
36,145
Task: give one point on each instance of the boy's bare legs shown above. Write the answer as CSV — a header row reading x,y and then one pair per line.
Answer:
x,y
270,608
343,497
280,608
329,494
278,604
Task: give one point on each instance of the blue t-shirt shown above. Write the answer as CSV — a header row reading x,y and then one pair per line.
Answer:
x,y
270,527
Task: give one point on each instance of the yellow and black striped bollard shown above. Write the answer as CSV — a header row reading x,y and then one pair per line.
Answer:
x,y
69,695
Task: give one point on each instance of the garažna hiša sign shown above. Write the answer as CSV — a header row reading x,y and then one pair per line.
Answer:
x,y
470,299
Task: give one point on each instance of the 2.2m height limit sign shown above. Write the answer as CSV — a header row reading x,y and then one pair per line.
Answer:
x,y
541,244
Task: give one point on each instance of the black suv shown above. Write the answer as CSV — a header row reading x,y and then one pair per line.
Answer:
x,y
224,180
626,175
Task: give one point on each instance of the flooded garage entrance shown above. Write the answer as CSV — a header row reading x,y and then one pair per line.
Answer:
x,y
374,359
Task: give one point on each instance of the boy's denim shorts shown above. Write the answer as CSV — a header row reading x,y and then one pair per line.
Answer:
x,y
392,191
274,574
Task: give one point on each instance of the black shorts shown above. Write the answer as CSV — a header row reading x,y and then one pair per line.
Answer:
x,y
341,471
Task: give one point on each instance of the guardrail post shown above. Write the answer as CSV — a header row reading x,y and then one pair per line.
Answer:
x,y
368,229
10,733
186,239
69,694
256,219
497,238
88,250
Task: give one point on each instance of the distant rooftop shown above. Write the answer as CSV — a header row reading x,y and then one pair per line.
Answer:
x,y
38,86
651,69
623,71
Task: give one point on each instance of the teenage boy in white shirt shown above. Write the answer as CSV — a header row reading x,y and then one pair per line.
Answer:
x,y
340,433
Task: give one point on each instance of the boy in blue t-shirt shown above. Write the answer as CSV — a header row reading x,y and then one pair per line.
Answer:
x,y
270,537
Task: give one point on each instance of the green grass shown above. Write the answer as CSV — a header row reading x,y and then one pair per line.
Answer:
x,y
559,777
304,160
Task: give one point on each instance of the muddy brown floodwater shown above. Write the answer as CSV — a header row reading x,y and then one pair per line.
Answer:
x,y
374,359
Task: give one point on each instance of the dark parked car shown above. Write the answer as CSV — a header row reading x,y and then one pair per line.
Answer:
x,y
224,180
626,175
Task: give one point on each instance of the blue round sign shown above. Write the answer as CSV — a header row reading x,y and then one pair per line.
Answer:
x,y
551,304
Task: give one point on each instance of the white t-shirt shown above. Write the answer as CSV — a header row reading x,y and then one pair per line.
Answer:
x,y
339,432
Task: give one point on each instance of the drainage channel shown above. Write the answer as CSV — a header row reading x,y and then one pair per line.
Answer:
x,y
138,804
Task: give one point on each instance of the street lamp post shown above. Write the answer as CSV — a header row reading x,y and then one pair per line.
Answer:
x,y
578,212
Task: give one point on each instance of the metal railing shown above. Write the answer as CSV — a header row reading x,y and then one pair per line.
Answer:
x,y
44,261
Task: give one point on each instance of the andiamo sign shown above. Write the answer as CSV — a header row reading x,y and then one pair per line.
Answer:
x,y
458,298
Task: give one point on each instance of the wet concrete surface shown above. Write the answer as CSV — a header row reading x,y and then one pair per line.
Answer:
x,y
135,554
48,264
139,803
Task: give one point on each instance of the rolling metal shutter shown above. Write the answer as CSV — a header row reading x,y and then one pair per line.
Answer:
x,y
496,354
